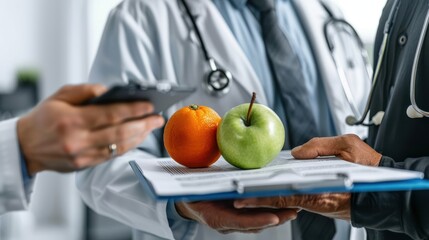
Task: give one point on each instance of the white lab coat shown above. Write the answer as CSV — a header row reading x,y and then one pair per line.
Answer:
x,y
313,18
150,41
13,196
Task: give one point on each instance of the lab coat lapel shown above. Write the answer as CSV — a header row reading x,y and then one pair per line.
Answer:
x,y
224,48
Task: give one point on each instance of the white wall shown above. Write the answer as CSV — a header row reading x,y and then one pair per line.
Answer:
x,y
49,35
46,34
63,43
18,46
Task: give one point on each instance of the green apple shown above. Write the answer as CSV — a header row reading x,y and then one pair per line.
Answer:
x,y
250,137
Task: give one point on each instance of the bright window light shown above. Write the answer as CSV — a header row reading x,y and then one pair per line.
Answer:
x,y
363,15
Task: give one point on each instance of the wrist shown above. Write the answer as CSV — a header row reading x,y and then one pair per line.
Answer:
x,y
31,165
377,160
26,177
183,210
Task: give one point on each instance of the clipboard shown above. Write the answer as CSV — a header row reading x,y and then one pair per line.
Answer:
x,y
339,182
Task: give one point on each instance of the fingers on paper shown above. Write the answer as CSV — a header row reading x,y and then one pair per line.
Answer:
x,y
316,147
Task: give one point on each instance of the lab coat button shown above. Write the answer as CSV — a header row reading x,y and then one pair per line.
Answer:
x,y
402,39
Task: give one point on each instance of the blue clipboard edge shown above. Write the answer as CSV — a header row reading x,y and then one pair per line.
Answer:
x,y
416,184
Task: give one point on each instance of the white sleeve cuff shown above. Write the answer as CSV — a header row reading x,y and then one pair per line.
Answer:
x,y
12,193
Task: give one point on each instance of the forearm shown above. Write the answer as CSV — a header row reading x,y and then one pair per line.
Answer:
x,y
395,211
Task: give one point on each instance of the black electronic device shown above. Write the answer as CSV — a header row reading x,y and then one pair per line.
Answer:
x,y
162,95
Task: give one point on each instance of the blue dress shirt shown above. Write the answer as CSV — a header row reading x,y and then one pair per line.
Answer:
x,y
244,24
26,178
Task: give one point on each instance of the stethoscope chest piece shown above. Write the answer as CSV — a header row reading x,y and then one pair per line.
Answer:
x,y
217,82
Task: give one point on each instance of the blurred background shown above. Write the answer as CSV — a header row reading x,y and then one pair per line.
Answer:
x,y
48,43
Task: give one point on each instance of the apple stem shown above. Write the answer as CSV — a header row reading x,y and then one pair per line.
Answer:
x,y
250,109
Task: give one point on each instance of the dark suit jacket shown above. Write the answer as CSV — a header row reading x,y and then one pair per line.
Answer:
x,y
404,142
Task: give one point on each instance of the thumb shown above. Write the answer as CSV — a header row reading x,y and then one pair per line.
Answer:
x,y
78,94
316,147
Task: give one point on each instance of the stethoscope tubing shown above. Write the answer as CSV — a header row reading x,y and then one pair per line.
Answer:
x,y
348,29
361,120
197,31
415,67
351,120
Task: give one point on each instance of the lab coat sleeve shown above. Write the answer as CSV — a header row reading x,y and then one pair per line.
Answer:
x,y
401,211
112,189
128,51
13,195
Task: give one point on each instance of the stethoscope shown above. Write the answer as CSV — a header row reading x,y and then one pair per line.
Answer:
x,y
413,111
342,26
217,82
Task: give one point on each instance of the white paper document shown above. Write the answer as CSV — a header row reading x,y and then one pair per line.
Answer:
x,y
168,178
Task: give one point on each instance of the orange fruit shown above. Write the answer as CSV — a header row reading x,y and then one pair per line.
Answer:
x,y
190,136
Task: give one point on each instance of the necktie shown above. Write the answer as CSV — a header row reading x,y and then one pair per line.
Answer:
x,y
287,71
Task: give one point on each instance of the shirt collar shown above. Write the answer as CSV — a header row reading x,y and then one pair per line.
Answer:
x,y
239,4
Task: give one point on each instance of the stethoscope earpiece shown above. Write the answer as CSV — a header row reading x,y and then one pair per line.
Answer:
x,y
377,118
412,113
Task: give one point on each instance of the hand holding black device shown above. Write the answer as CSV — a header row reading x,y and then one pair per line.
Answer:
x,y
162,95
